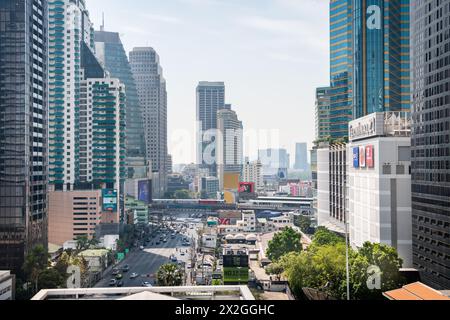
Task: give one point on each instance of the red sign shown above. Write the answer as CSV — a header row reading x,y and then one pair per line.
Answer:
x,y
369,157
246,187
362,157
224,221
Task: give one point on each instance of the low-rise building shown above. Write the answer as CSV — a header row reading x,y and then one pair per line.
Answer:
x,y
97,259
73,214
7,285
137,210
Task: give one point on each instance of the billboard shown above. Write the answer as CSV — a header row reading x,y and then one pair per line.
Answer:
x,y
224,221
369,157
362,157
109,197
282,174
144,191
356,157
246,187
235,275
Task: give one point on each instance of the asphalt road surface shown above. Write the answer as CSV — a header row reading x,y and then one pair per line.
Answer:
x,y
147,262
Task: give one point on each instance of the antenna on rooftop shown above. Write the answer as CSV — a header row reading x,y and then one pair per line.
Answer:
x,y
102,27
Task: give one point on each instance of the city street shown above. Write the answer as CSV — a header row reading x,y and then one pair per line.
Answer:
x,y
147,262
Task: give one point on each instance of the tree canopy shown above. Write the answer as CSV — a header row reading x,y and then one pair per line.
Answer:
x,y
170,275
283,243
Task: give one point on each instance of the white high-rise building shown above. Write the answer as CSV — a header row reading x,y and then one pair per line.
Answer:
x,y
229,151
253,172
151,89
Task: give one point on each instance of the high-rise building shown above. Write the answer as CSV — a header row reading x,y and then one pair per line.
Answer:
x,y
111,53
23,129
210,99
369,60
340,67
253,172
430,141
169,164
70,35
152,94
102,133
380,57
301,157
229,144
322,113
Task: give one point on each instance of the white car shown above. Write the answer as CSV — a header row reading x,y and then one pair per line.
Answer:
x,y
146,284
134,275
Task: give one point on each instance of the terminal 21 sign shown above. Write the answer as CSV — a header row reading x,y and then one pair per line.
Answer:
x,y
363,157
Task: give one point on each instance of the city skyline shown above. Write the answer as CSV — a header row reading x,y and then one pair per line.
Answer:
x,y
270,26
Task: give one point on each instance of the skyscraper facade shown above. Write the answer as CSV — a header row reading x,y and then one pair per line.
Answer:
x,y
301,156
380,56
110,51
152,94
230,156
430,142
23,129
210,99
102,151
322,113
340,68
70,32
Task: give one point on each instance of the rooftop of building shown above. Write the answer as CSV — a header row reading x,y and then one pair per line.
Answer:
x,y
94,253
415,291
152,293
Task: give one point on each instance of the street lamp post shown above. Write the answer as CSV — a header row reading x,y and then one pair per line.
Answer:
x,y
347,267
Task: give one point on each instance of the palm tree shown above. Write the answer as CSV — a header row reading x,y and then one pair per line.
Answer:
x,y
170,275
35,263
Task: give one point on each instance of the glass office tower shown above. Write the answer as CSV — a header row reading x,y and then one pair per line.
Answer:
x,y
430,142
380,56
23,129
110,51
340,112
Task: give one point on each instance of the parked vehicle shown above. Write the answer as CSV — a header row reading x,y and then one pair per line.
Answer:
x,y
115,272
126,268
119,276
120,283
112,282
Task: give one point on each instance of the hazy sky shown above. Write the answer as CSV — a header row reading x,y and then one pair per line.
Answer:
x,y
271,54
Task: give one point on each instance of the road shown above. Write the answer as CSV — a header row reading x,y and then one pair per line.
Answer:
x,y
147,262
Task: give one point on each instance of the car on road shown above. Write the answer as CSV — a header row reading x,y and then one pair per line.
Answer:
x,y
157,243
141,247
146,284
120,283
134,275
119,276
112,282
182,254
126,268
115,272
173,258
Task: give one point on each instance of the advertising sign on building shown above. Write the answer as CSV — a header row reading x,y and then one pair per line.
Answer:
x,y
362,157
235,275
109,197
246,187
144,191
369,157
356,157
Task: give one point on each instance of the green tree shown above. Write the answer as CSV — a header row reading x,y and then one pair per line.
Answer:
x,y
323,237
275,269
284,242
82,243
35,262
170,275
303,222
380,256
183,194
50,279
